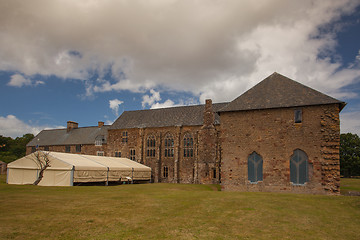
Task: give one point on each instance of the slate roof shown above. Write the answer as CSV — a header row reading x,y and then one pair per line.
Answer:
x,y
82,135
278,91
165,117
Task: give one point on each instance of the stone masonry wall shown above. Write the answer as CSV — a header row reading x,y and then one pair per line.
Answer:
x,y
88,149
180,169
274,136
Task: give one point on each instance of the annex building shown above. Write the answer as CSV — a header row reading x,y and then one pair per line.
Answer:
x,y
279,136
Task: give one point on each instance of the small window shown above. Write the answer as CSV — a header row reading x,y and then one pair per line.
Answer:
x,y
33,149
132,154
124,137
255,168
78,148
46,148
117,154
100,153
67,149
299,167
298,116
214,172
166,172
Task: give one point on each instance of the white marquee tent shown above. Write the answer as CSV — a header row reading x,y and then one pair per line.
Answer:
x,y
66,169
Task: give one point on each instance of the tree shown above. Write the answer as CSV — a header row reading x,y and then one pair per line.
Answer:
x,y
349,155
12,149
43,161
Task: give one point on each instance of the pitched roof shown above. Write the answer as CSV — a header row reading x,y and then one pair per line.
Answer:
x,y
165,117
278,91
83,135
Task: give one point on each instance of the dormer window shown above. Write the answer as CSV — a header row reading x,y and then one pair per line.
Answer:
x,y
99,140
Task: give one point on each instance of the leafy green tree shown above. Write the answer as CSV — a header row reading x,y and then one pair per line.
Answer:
x,y
12,149
349,155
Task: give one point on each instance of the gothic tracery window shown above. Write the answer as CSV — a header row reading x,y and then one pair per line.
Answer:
x,y
188,145
299,167
150,146
255,168
169,146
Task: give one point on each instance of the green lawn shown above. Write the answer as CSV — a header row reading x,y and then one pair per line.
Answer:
x,y
173,211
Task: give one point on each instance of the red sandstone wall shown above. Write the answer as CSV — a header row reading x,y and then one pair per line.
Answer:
x,y
180,169
274,135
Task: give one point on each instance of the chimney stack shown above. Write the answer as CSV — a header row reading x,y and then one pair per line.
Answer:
x,y
71,125
100,124
209,116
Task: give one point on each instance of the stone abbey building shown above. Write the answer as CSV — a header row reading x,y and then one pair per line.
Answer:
x,y
279,136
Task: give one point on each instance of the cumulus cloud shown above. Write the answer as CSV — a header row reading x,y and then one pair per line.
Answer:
x,y
114,105
166,104
11,126
150,99
214,49
17,80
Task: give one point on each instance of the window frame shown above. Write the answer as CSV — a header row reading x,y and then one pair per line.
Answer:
x,y
124,137
188,144
169,146
67,148
165,172
298,116
255,168
100,152
298,172
151,146
132,154
78,148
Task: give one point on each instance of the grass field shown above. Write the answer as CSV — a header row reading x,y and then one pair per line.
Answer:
x,y
173,211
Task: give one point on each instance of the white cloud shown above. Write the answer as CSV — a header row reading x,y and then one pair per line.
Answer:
x,y
166,104
150,100
358,56
114,105
17,80
11,126
214,49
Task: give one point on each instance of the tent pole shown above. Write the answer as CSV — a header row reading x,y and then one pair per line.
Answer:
x,y
72,176
132,175
7,175
107,177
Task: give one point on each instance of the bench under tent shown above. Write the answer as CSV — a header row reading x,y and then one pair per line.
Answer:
x,y
68,169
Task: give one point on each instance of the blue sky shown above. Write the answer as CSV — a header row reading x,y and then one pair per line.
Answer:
x,y
89,60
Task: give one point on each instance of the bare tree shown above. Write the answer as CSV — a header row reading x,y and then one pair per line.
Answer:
x,y
43,161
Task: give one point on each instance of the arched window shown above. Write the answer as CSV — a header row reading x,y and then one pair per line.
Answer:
x,y
150,145
188,145
169,145
255,168
299,167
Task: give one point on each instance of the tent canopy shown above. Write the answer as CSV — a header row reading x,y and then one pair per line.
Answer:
x,y
66,168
